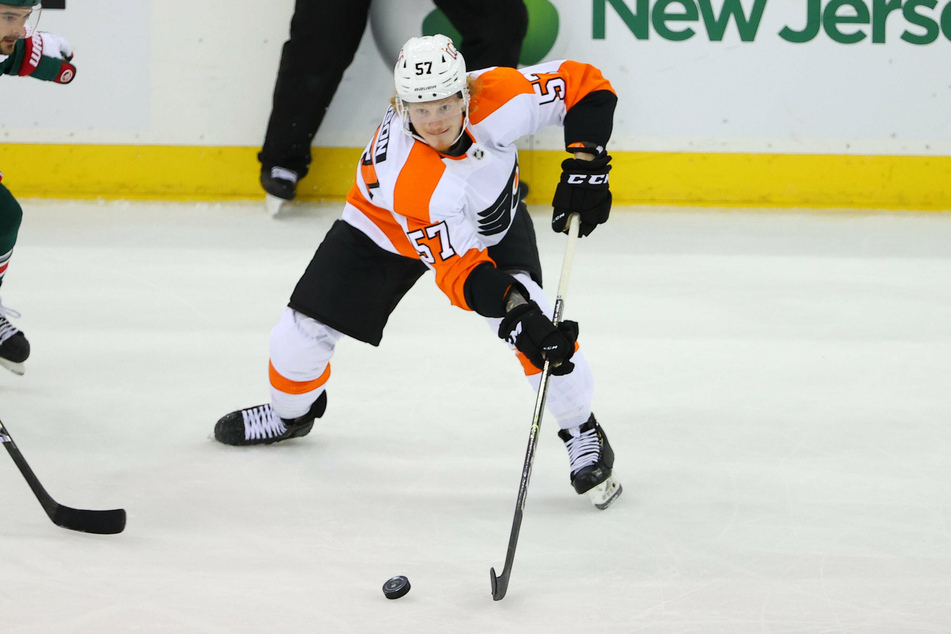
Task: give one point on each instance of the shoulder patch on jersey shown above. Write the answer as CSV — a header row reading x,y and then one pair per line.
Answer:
x,y
495,88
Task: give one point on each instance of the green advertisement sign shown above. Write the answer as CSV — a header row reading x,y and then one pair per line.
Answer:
x,y
842,21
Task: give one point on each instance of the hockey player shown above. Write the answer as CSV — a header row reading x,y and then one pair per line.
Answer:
x,y
23,51
437,189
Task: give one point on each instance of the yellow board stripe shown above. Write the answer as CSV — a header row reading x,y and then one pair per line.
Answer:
x,y
160,172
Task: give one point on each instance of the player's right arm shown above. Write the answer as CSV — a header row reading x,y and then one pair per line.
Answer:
x,y
44,56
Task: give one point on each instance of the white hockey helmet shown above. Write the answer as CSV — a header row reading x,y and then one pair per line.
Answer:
x,y
429,68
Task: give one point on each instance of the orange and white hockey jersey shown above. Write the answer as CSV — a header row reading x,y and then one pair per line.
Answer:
x,y
412,200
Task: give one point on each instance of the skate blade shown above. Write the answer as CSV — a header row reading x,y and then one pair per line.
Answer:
x,y
273,204
603,495
16,368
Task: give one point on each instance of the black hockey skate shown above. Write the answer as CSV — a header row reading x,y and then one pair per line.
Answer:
x,y
281,186
280,182
592,461
14,348
261,426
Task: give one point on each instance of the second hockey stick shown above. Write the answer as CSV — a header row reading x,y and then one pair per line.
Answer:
x,y
84,520
500,583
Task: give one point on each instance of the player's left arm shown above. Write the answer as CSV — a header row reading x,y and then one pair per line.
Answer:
x,y
584,189
44,56
575,96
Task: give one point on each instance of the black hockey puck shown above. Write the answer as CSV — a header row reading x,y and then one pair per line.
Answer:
x,y
396,587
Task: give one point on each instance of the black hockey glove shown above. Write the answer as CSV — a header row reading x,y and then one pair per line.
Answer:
x,y
583,190
529,330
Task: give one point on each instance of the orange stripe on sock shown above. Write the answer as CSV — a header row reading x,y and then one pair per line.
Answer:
x,y
287,386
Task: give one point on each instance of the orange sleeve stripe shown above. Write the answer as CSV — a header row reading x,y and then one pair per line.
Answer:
x,y
494,89
416,183
451,275
287,386
384,220
529,367
581,80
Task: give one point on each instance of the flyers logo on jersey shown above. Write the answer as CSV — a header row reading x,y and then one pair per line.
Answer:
x,y
497,218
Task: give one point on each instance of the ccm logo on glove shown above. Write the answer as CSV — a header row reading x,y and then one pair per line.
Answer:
x,y
583,190
593,179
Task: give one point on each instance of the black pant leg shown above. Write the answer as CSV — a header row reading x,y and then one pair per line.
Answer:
x,y
352,285
325,35
518,250
492,30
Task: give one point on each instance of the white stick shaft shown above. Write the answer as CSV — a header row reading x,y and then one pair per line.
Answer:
x,y
573,223
500,583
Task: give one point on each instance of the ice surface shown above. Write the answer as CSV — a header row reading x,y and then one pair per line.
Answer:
x,y
775,385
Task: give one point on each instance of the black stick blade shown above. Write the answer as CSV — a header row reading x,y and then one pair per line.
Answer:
x,y
83,520
89,521
499,584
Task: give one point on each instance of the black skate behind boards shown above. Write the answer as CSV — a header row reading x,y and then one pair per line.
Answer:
x,y
279,190
261,426
280,187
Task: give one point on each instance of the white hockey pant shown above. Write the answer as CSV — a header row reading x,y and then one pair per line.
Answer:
x,y
301,348
569,396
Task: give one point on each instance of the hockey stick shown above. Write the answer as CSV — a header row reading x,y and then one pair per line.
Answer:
x,y
87,521
500,583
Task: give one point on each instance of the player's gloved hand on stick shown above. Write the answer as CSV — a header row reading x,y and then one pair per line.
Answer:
x,y
528,329
583,190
